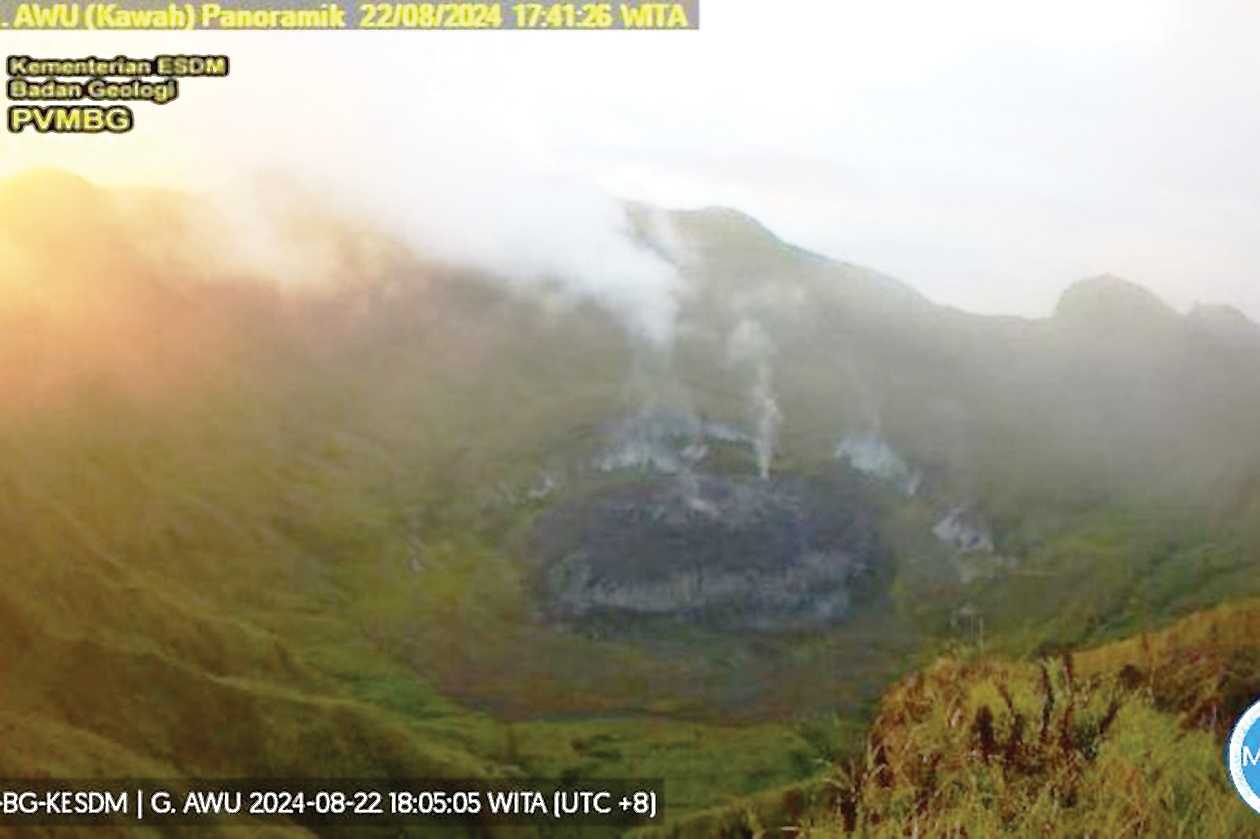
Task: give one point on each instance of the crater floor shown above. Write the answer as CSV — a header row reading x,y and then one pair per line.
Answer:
x,y
780,554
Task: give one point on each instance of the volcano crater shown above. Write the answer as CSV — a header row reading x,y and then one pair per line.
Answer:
x,y
779,554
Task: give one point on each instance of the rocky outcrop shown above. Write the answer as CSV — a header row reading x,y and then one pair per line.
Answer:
x,y
731,553
965,531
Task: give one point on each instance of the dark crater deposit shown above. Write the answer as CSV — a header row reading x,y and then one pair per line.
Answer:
x,y
773,555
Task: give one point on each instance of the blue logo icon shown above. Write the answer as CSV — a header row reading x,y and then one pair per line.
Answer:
x,y
1243,757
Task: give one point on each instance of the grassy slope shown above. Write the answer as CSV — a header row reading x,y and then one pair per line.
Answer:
x,y
1123,739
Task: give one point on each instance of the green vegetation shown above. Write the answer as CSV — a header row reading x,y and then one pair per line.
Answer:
x,y
1124,739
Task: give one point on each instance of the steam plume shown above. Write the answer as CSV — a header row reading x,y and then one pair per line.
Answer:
x,y
750,345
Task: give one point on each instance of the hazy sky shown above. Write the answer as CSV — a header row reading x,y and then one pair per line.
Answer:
x,y
987,152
